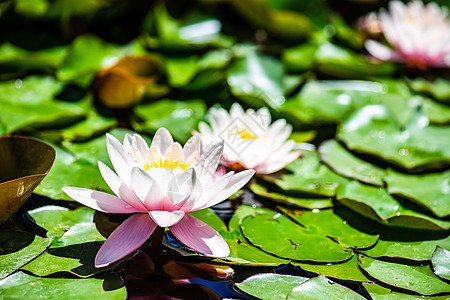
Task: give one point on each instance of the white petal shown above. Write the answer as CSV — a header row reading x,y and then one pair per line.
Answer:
x,y
162,139
174,151
166,218
147,189
140,144
380,51
118,157
192,145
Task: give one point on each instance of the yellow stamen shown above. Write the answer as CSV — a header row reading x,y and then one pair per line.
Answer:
x,y
166,163
246,135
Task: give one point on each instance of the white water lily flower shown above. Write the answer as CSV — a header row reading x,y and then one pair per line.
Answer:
x,y
419,35
250,141
161,184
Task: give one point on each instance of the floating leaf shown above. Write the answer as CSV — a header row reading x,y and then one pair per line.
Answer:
x,y
179,117
288,200
441,262
331,101
74,252
346,164
269,285
92,125
418,146
57,220
29,103
10,262
378,292
299,58
326,222
309,177
24,162
290,240
439,88
413,249
255,77
347,270
431,191
322,288
419,279
242,252
17,286
376,204
342,63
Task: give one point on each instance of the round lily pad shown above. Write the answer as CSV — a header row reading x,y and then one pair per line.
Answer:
x,y
332,226
346,164
419,279
309,177
441,262
289,200
376,204
269,285
322,288
431,191
290,240
416,146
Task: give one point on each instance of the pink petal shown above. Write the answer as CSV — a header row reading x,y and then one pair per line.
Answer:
x,y
147,189
379,51
125,239
99,201
120,188
200,237
118,157
237,181
162,139
166,218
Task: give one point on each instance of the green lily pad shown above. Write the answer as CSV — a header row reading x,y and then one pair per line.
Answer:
x,y
255,77
182,70
10,262
73,252
322,288
441,262
332,101
437,113
290,240
242,252
342,63
179,117
269,285
88,54
299,58
29,103
57,220
419,250
376,204
346,164
291,201
439,88
18,286
309,177
347,270
326,222
378,292
431,191
419,279
68,170
85,129
418,146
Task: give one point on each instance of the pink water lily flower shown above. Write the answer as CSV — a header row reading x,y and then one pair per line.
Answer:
x,y
250,140
161,187
418,34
